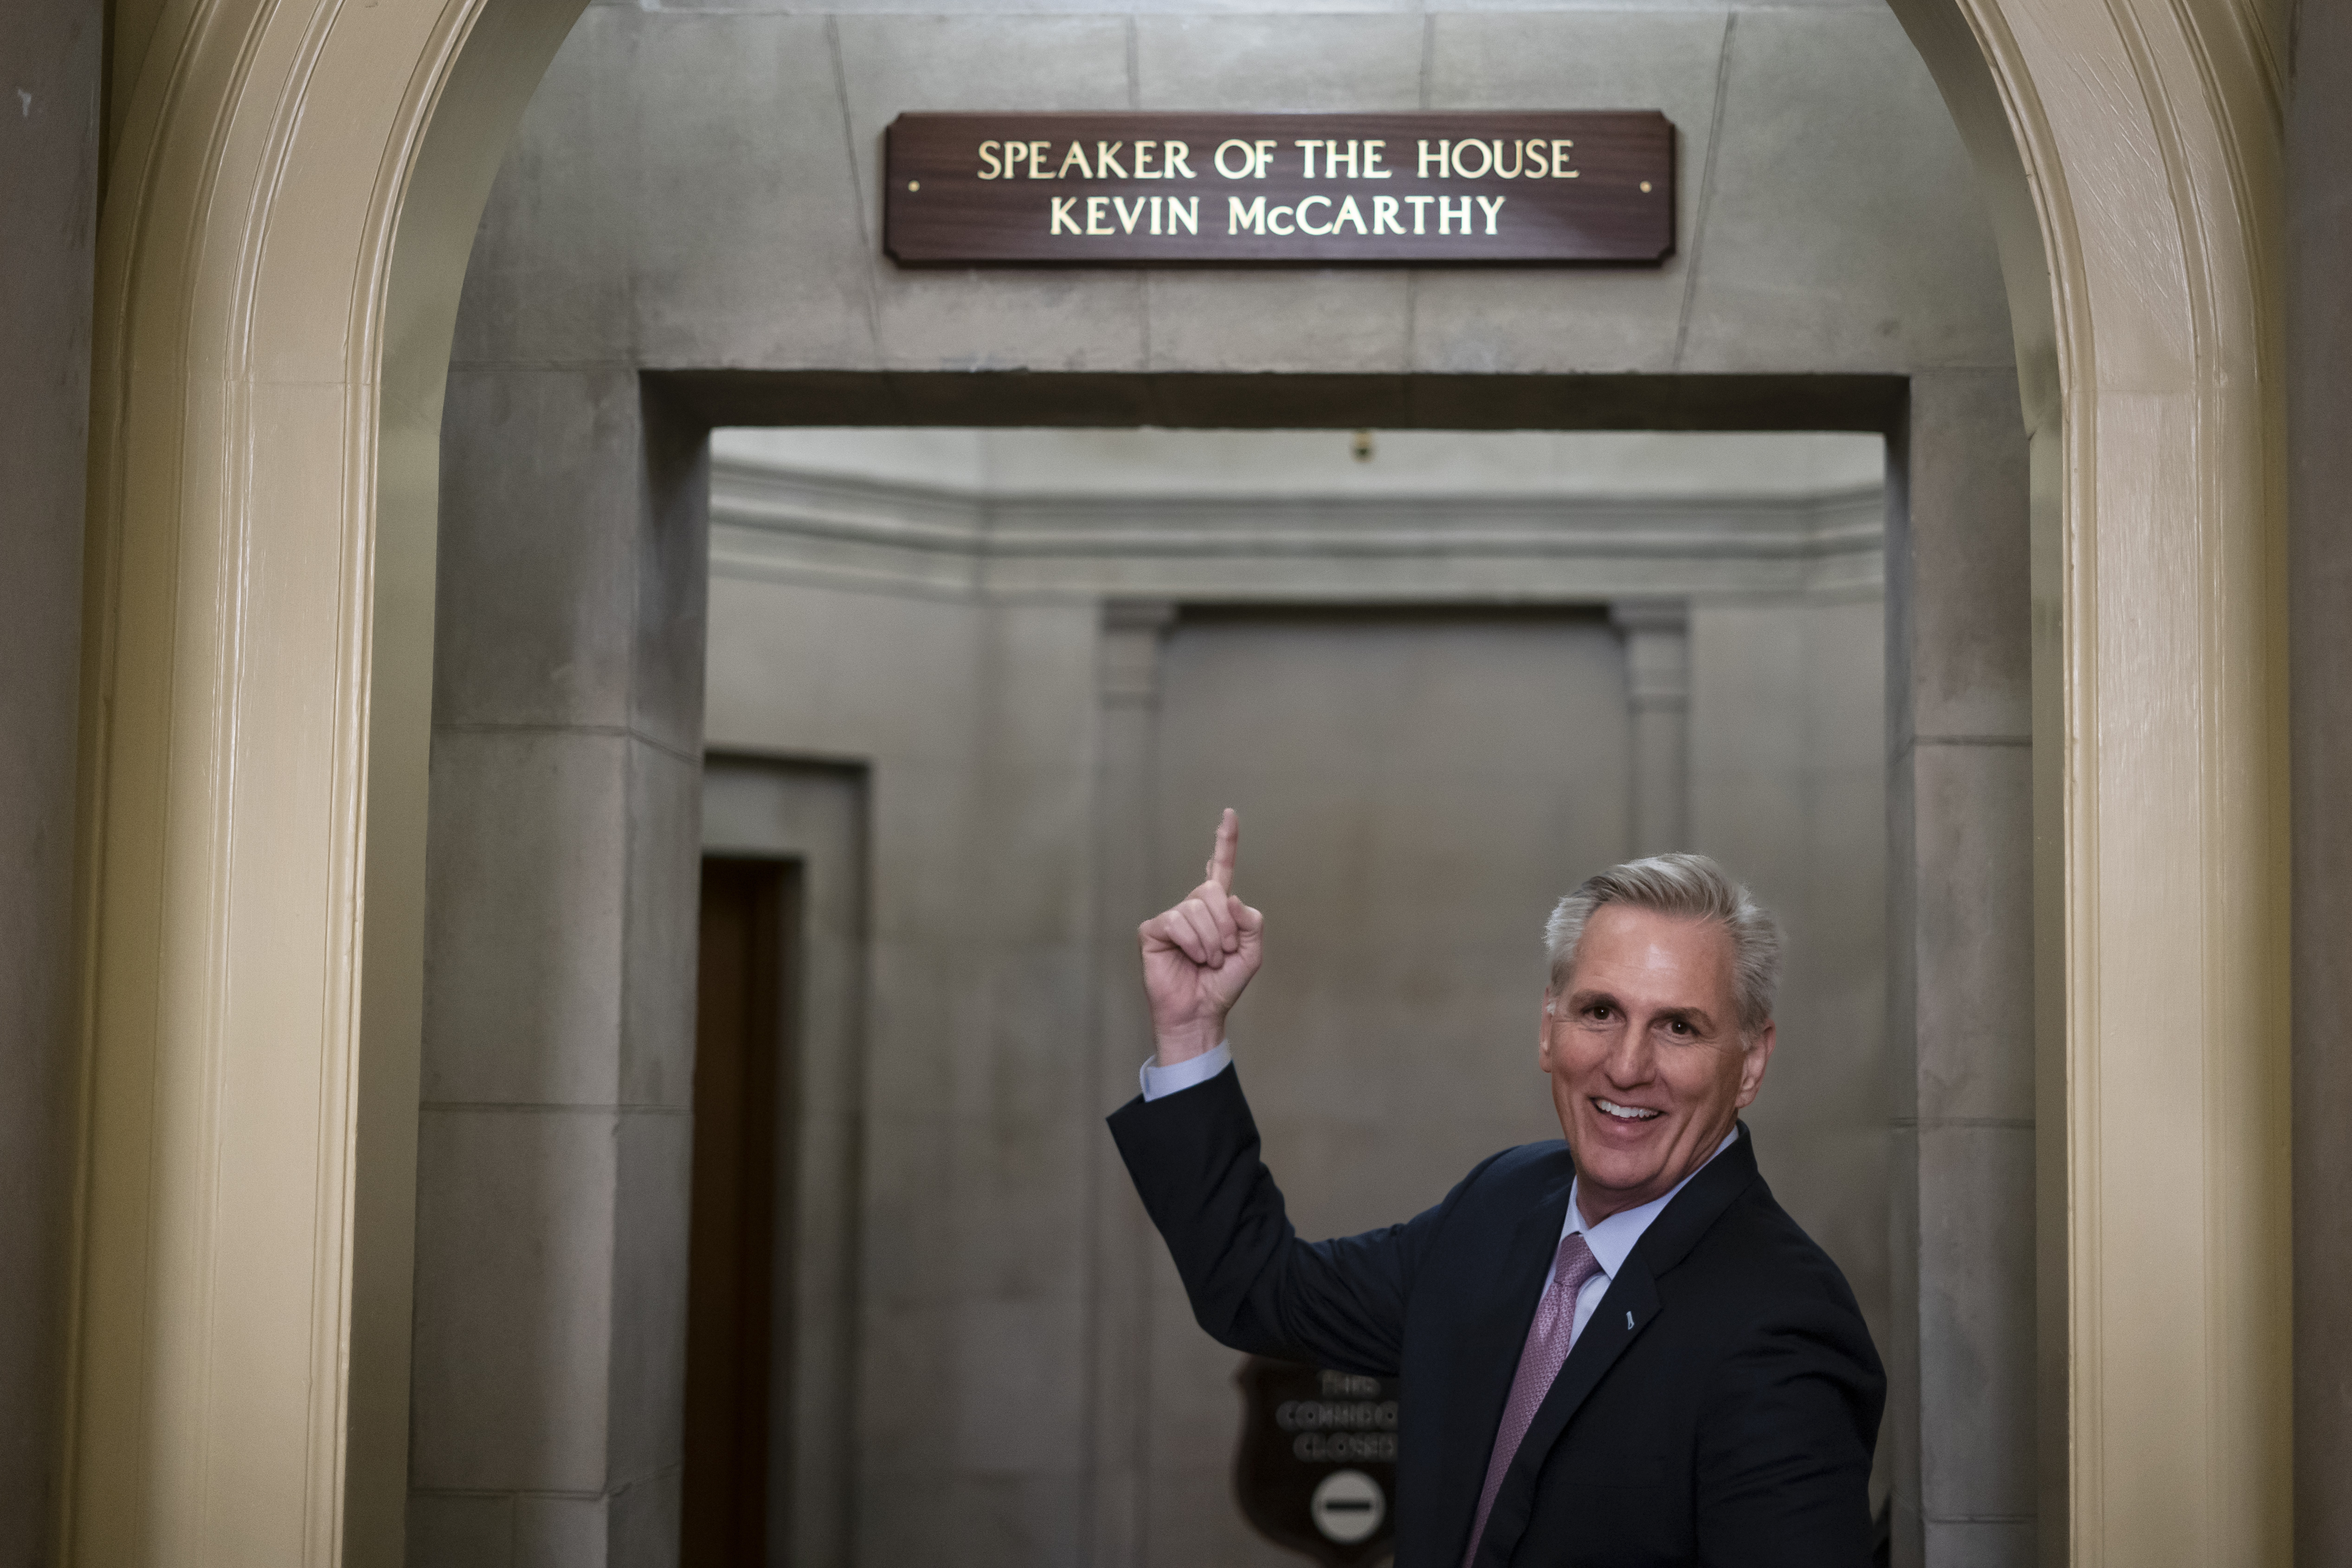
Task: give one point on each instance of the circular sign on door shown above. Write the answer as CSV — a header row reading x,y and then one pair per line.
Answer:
x,y
1348,1506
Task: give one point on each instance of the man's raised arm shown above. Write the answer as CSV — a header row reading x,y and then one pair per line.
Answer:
x,y
1194,1156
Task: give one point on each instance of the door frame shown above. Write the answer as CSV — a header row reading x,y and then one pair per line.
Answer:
x,y
288,211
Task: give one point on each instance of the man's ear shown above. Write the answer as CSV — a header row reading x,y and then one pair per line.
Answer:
x,y
1543,1032
1753,1059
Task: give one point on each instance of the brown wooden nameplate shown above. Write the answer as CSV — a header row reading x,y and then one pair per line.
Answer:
x,y
1411,189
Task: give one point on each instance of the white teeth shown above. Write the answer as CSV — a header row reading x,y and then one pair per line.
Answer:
x,y
1625,1112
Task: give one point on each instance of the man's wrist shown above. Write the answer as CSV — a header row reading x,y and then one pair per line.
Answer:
x,y
1182,1043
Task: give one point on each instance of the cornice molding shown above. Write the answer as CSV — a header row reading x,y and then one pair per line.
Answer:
x,y
768,522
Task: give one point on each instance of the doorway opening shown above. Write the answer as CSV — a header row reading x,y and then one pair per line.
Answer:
x,y
771,1323
745,1014
1443,675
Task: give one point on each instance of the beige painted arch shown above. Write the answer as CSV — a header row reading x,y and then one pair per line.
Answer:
x,y
289,208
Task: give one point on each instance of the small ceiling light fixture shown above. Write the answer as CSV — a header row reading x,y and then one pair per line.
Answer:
x,y
1362,446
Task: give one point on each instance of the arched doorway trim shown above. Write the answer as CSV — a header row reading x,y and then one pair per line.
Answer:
x,y
290,207
2149,145
288,219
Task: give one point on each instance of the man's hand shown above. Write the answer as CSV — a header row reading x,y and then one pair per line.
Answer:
x,y
1199,956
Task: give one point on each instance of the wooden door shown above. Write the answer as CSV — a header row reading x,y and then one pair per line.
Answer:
x,y
742,1049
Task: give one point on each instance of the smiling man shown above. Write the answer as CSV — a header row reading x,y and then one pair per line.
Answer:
x,y
1614,1351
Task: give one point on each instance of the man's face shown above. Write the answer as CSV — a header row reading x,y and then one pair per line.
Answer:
x,y
1641,1043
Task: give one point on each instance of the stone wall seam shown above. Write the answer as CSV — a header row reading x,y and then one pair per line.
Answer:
x,y
607,732
856,186
1971,740
2009,1123
1690,254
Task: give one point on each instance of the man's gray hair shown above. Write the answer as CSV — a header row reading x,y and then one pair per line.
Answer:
x,y
1685,887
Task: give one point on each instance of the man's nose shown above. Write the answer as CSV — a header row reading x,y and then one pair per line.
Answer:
x,y
1632,1057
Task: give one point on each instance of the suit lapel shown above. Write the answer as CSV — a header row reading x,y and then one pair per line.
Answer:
x,y
1624,1313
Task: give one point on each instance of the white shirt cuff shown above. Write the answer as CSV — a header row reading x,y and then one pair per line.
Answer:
x,y
1159,1081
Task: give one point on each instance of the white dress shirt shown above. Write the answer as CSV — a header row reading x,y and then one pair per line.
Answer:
x,y
1611,1241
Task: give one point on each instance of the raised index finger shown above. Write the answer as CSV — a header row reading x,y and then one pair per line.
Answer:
x,y
1228,846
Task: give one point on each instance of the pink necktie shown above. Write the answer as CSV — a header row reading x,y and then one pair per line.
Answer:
x,y
1540,1363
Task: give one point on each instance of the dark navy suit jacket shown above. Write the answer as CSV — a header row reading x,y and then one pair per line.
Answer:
x,y
1719,1408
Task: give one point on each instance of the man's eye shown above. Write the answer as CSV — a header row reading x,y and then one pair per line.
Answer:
x,y
1679,1027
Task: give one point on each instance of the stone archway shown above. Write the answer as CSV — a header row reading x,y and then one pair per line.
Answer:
x,y
277,287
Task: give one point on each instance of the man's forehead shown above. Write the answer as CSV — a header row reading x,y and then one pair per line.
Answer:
x,y
1646,949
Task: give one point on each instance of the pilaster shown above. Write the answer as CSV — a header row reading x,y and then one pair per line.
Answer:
x,y
1658,691
556,1116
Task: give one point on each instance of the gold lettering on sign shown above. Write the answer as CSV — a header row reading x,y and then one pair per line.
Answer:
x,y
1254,157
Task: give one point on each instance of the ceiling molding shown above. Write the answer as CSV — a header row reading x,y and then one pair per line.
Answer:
x,y
773,523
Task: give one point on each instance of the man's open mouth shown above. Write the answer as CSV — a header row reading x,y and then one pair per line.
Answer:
x,y
1626,1113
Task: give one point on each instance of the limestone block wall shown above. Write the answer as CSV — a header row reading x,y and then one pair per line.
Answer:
x,y
1788,784
1960,976
2319,225
48,189
558,1067
700,188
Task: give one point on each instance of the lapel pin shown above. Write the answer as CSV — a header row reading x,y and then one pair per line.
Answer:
x,y
1629,1320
